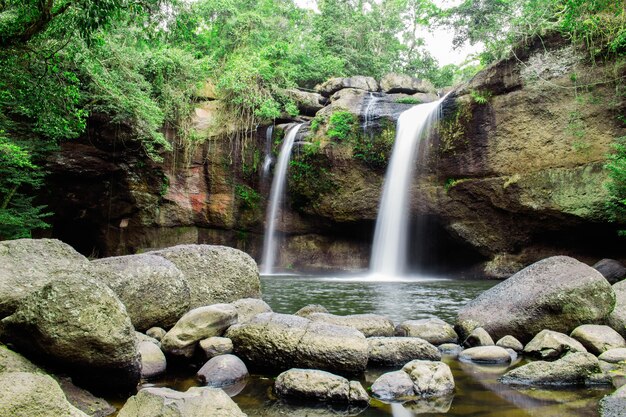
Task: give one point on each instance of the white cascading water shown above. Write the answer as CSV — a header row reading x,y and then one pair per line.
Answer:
x,y
371,103
276,197
389,249
267,162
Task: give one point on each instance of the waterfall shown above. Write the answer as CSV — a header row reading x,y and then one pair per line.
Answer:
x,y
267,162
371,103
276,197
389,249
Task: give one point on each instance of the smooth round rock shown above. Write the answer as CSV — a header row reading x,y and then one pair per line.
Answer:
x,y
613,355
552,345
597,338
450,349
222,371
430,379
393,386
572,369
478,337
215,346
156,333
433,330
247,308
485,355
395,351
509,342
153,362
315,385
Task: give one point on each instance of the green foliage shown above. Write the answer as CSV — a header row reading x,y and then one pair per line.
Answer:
x,y
374,148
479,97
408,100
308,179
248,197
452,182
616,169
341,125
451,129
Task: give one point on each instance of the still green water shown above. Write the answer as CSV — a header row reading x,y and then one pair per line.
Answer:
x,y
477,394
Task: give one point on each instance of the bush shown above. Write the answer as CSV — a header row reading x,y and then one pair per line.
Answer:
x,y
341,125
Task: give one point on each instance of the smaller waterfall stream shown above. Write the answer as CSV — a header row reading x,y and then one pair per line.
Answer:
x,y
371,103
276,198
267,162
389,249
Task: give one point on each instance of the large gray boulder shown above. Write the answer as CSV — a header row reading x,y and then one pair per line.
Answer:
x,y
614,271
215,274
24,394
152,288
195,402
308,103
557,293
369,324
198,324
281,341
395,351
598,338
614,405
357,82
79,323
402,83
430,379
433,330
315,385
552,345
572,369
617,318
222,371
26,265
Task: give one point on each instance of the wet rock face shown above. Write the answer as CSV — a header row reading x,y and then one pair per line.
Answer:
x,y
280,341
558,293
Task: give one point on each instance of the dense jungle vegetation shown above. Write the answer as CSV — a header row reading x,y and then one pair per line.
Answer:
x,y
137,64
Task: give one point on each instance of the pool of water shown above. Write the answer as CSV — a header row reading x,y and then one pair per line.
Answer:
x,y
478,392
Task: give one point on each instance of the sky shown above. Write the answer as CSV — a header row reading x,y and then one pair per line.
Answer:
x,y
438,40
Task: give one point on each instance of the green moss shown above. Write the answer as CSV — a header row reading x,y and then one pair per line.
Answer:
x,y
452,129
342,125
309,178
480,97
452,182
409,100
248,197
374,149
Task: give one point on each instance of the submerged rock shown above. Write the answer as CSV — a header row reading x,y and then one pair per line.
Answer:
x,y
573,369
369,324
433,330
552,345
81,324
153,290
280,341
25,394
195,402
215,274
509,342
557,293
26,265
222,371
200,323
485,355
394,351
598,338
315,385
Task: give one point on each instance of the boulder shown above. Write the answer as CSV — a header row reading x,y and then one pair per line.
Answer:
x,y
395,351
509,342
215,346
393,386
598,338
333,85
200,323
402,83
280,341
84,400
315,385
478,337
152,288
310,309
617,318
81,324
156,333
222,371
368,324
250,307
485,355
614,405
552,345
450,349
308,103
557,293
26,265
611,269
215,274
433,330
430,379
195,402
572,369
24,394
153,361
14,362
612,356
140,337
